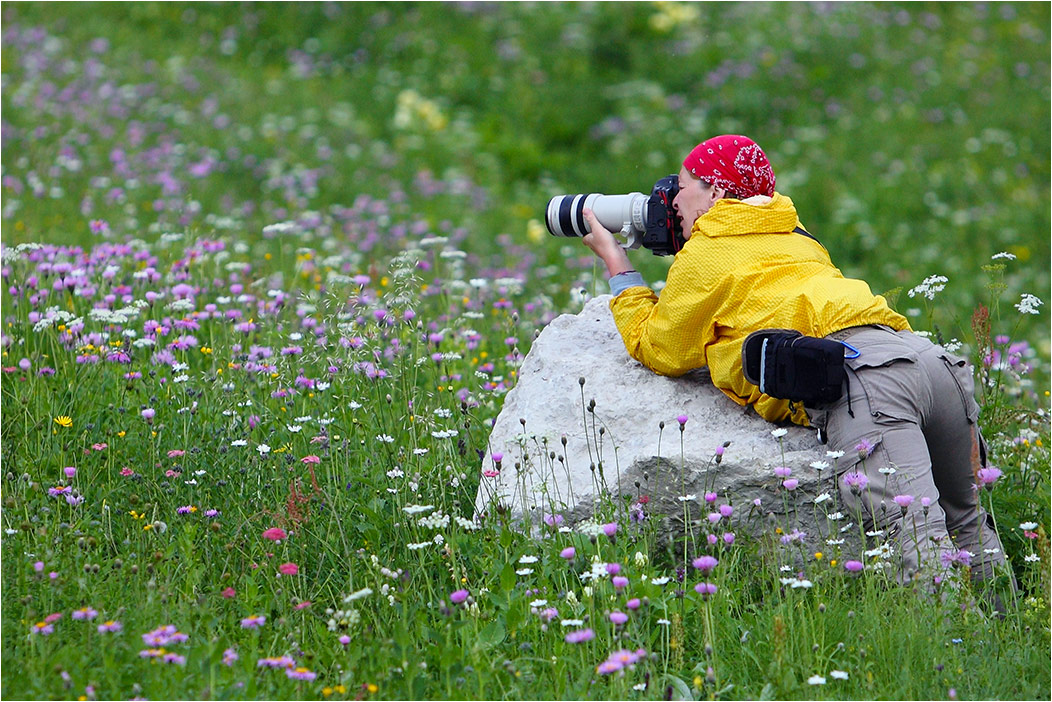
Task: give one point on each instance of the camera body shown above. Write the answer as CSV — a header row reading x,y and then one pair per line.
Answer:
x,y
650,222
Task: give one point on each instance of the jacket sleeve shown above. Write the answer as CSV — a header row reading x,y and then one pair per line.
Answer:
x,y
669,335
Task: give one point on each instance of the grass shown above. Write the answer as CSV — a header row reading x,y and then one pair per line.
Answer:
x,y
274,267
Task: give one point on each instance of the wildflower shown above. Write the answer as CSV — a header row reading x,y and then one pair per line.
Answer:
x,y
728,538
275,534
1032,558
903,501
929,286
580,636
553,520
253,622
783,471
42,628
109,626
568,553
633,603
230,657
310,459
300,674
173,659
711,497
961,557
84,613
705,589
838,674
819,465
853,566
1005,255
1028,304
816,680
864,448
228,593
619,581
779,433
726,510
288,569
790,484
64,421
988,476
618,617
856,481
705,563
610,529
613,568
682,419
69,471
276,662
1028,526
344,639
458,596
263,449
822,498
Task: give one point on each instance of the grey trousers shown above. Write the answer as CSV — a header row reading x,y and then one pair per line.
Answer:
x,y
909,405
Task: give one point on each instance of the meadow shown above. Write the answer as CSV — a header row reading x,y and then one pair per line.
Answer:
x,y
270,270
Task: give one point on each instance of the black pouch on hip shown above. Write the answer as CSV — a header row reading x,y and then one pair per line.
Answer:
x,y
787,365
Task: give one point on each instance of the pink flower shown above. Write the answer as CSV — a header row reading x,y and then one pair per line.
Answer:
x,y
728,538
783,471
253,622
705,589
275,534
458,596
568,553
580,636
127,472
302,605
228,593
69,471
726,510
618,617
176,453
99,447
903,501
864,448
853,566
344,639
633,603
619,581
711,497
613,568
610,529
109,626
490,473
856,481
310,459
682,419
288,569
705,563
790,484
300,674
988,476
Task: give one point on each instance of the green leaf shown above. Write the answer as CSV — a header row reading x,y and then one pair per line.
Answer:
x,y
682,690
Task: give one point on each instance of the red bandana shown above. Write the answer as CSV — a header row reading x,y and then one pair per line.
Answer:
x,y
732,162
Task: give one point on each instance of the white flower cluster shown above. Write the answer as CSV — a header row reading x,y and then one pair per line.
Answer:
x,y
434,521
929,287
1028,304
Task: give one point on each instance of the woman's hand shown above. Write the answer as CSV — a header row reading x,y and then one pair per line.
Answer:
x,y
605,245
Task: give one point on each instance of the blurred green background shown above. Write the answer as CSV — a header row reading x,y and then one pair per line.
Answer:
x,y
914,138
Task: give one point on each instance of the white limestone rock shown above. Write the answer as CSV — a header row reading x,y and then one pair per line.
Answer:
x,y
550,440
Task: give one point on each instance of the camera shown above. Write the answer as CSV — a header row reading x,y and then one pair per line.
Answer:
x,y
650,222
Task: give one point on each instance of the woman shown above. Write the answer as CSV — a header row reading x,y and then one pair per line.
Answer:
x,y
907,420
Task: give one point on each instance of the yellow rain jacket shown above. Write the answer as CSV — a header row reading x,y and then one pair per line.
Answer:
x,y
743,269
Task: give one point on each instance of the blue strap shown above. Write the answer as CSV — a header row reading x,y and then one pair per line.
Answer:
x,y
857,352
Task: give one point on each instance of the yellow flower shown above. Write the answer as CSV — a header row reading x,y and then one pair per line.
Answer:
x,y
341,689
64,421
818,555
121,433
372,687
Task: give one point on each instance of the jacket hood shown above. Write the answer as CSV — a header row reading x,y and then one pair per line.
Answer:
x,y
735,217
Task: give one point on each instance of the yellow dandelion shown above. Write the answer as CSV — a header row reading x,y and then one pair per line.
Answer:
x,y
64,421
